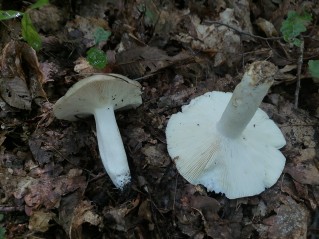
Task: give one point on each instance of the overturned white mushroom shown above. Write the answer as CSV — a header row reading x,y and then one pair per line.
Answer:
x,y
225,142
100,95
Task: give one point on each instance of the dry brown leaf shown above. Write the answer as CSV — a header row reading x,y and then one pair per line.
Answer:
x,y
156,155
176,99
267,27
45,190
39,220
136,136
50,71
284,75
305,172
117,218
140,61
15,93
299,130
144,211
19,85
194,209
167,22
48,18
82,66
217,40
37,147
83,213
290,221
242,13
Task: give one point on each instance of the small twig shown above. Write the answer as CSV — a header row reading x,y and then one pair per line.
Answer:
x,y
11,208
300,62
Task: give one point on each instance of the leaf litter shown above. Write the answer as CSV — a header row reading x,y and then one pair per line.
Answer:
x,y
50,172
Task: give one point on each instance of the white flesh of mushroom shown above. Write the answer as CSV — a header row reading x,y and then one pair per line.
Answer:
x,y
111,146
223,141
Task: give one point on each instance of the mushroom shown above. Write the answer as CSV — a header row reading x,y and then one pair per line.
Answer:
x,y
100,95
225,142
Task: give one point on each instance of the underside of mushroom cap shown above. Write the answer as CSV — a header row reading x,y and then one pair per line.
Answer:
x,y
98,91
237,167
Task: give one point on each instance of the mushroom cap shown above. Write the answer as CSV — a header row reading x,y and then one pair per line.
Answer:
x,y
98,91
239,167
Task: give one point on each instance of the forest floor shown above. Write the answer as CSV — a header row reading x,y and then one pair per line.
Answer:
x,y
52,181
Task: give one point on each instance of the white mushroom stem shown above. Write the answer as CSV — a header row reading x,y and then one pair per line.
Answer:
x,y
111,146
246,98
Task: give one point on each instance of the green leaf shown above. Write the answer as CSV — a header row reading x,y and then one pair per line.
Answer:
x,y
38,4
2,232
150,17
294,25
150,12
313,67
296,42
9,14
101,35
29,33
96,58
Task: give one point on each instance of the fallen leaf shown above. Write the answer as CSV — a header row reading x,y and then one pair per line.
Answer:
x,y
166,23
141,61
39,152
290,221
155,155
48,18
21,77
208,205
86,27
305,172
84,213
15,93
44,190
136,137
144,211
117,217
299,130
39,221
217,40
267,27
283,74
242,15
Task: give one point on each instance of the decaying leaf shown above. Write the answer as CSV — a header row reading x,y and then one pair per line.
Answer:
x,y
144,211
39,221
47,18
117,218
290,221
37,147
21,77
217,40
267,27
44,190
83,66
300,131
139,61
86,26
305,172
196,209
155,155
83,213
285,75
15,92
166,23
